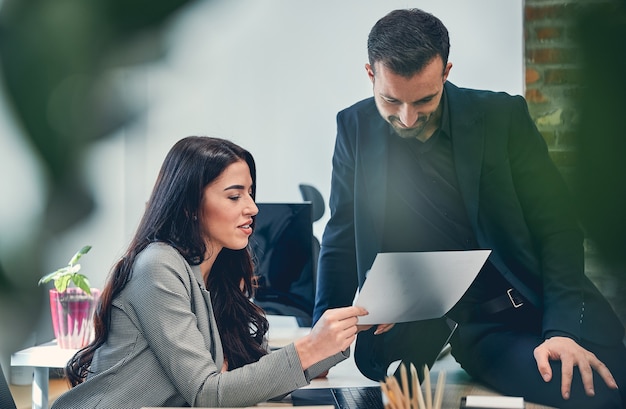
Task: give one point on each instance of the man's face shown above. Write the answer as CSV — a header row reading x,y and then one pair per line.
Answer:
x,y
410,105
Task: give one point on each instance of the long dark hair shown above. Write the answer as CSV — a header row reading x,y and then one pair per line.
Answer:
x,y
192,164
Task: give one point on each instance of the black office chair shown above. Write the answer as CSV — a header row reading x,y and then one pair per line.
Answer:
x,y
311,194
285,253
282,247
6,399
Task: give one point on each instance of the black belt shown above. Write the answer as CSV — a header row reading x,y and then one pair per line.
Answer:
x,y
510,299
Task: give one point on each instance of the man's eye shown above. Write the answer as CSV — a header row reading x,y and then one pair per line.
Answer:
x,y
423,101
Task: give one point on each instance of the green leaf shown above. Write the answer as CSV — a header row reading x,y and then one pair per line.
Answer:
x,y
79,254
48,277
81,282
62,282
63,276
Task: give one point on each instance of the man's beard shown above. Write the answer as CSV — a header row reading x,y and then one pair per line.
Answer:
x,y
410,133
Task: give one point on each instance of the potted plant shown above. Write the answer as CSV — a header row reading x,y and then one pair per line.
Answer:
x,y
72,307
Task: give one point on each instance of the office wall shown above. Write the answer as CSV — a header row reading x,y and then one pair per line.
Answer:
x,y
270,75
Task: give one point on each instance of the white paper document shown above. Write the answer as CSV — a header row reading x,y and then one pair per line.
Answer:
x,y
496,402
403,287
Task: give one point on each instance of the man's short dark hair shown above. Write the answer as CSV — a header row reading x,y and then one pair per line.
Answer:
x,y
406,40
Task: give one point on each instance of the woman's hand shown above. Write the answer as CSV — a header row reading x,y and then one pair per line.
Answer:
x,y
334,332
380,328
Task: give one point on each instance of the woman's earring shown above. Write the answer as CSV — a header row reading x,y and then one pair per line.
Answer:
x,y
195,218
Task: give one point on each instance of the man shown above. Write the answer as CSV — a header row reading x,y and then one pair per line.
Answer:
x,y
427,166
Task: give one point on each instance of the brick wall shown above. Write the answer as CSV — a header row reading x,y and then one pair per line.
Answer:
x,y
551,74
553,91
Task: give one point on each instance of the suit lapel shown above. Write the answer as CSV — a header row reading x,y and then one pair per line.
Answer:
x,y
374,157
468,136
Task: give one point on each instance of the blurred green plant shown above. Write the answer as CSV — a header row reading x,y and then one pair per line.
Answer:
x,y
70,273
59,64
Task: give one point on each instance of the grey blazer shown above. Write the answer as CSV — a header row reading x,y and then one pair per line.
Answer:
x,y
164,348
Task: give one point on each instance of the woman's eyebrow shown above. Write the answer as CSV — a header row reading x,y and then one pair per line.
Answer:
x,y
235,187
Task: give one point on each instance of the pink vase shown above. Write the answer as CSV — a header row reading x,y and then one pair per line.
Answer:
x,y
72,316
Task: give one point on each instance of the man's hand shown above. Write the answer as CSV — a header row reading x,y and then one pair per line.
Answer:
x,y
571,354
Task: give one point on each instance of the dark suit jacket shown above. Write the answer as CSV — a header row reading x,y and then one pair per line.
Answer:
x,y
516,201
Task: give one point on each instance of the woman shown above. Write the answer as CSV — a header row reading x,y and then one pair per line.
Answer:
x,y
175,325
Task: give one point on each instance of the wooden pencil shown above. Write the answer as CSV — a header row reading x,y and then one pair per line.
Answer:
x,y
405,386
441,380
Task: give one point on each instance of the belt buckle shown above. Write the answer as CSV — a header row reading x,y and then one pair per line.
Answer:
x,y
515,304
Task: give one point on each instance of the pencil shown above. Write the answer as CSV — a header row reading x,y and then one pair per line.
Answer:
x,y
405,386
396,393
383,387
429,396
417,389
414,386
441,380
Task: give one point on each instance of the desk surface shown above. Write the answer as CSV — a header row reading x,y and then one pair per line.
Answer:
x,y
48,355
458,383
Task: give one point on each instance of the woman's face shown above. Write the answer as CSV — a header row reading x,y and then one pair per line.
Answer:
x,y
227,209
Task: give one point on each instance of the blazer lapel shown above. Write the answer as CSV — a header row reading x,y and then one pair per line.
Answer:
x,y
208,327
468,136
374,156
467,145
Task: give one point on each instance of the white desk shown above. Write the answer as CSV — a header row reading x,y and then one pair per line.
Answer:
x,y
42,358
50,355
282,332
346,373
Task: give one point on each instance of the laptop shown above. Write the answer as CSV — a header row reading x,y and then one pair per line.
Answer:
x,y
350,397
359,397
